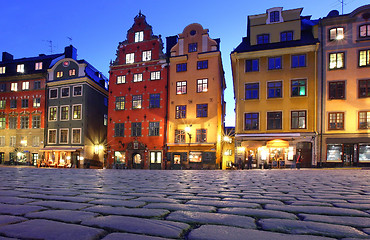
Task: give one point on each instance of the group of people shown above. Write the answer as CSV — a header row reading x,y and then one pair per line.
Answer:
x,y
296,163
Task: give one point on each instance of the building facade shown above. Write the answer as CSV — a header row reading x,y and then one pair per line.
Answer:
x,y
345,89
138,100
196,105
275,85
22,107
77,107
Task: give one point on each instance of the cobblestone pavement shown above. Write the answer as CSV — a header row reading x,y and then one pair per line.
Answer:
x,y
133,204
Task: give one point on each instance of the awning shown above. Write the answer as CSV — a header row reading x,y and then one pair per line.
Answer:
x,y
277,143
60,149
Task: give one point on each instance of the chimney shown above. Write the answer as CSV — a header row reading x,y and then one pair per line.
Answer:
x,y
70,52
7,57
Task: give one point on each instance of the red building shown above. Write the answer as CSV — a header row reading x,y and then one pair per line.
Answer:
x,y
138,100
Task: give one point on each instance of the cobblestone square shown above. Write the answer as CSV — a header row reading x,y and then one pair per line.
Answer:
x,y
142,204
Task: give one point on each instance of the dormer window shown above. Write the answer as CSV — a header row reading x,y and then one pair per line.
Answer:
x,y
275,16
139,36
263,38
365,30
193,47
59,74
286,36
72,72
336,34
20,68
147,56
130,58
38,66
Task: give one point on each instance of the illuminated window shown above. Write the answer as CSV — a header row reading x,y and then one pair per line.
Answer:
x,y
14,87
24,122
53,93
155,157
181,87
36,121
274,120
154,100
274,16
181,67
52,136
263,38
274,89
336,34
298,60
179,136
252,65
76,135
13,122
119,129
336,60
337,90
2,122
201,135
364,58
120,103
2,70
202,110
137,101
251,121
13,141
138,77
202,64
286,36
364,120
72,72
195,157
364,88
365,30
252,91
36,102
298,119
130,58
25,85
20,68
65,92
77,110
38,66
24,103
155,75
63,135
336,121
121,79
180,111
153,128
77,91
202,85
193,47
53,113
59,74
147,56
2,104
136,129
275,63
298,87
64,113
2,139
139,36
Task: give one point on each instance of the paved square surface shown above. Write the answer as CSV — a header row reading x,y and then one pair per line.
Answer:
x,y
142,204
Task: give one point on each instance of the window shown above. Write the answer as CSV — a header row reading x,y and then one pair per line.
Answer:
x,y
13,103
275,63
2,104
181,87
52,136
24,122
25,85
37,85
77,109
274,16
20,68
336,34
53,93
76,135
193,47
298,61
130,58
155,157
365,30
364,120
119,129
274,89
105,121
65,92
147,56
13,141
72,72
59,74
286,36
38,66
2,70
36,121
252,65
298,119
2,87
251,121
35,141
2,141
274,120
154,100
153,128
336,121
202,85
120,103
36,102
364,58
52,113
138,77
14,87
252,91
202,64
298,87
337,90
336,60
364,88
77,90
24,103
182,67
121,79
139,36
201,135
13,122
202,110
137,101
64,113
2,122
181,111
136,129
63,135
263,38
155,75
179,136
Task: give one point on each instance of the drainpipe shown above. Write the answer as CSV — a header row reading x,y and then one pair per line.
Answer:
x,y
322,89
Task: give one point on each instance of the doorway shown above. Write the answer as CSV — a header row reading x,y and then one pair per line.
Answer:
x,y
305,149
156,160
348,155
137,161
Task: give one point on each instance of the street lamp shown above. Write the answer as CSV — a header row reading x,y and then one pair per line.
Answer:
x,y
187,130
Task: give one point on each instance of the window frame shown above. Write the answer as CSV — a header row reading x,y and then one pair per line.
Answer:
x,y
298,86
52,130
2,69
367,58
336,34
73,89
61,92
201,135
263,38
38,65
367,88
367,30
12,122
202,85
121,79
137,101
336,96
250,66
155,75
24,103
298,61
13,103
179,136
202,110
36,103
119,101
60,135
73,111
20,68
3,104
72,137
273,127
24,124
139,36
155,100
57,93
136,129
119,128
14,87
50,114
146,55
25,85
275,66
336,61
298,118
180,111
203,64
36,123
181,67
182,86
154,128
130,58
285,36
192,47
2,122
274,16
367,118
336,120
252,120
251,90
137,77
275,89
62,112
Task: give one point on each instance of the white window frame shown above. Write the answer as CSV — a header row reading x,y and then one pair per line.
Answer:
x,y
61,92
147,55
56,136
73,90
13,141
155,75
51,89
20,68
35,141
138,77
130,58
73,138
121,79
56,117
60,136
60,114
2,141
2,70
25,85
36,104
72,72
139,36
38,66
73,112
14,87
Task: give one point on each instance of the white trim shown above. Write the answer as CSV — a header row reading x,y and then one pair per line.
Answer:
x,y
259,91
61,92
60,135
73,90
49,130
290,119
50,93
282,122
267,89
290,89
72,111
60,112
72,135
259,121
56,117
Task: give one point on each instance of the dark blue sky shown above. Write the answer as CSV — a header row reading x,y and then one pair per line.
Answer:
x,y
96,27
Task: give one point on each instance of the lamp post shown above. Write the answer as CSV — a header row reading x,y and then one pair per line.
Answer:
x,y
187,130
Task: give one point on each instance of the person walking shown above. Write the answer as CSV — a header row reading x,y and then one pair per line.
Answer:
x,y
250,160
298,162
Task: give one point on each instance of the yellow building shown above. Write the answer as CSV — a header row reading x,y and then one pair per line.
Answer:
x,y
196,105
275,78
345,109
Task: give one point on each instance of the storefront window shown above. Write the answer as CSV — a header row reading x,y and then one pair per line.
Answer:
x,y
120,157
334,152
364,153
176,159
195,157
155,157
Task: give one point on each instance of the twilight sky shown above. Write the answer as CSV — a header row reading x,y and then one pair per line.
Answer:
x,y
95,27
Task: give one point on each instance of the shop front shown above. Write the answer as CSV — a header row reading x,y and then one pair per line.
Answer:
x,y
61,157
